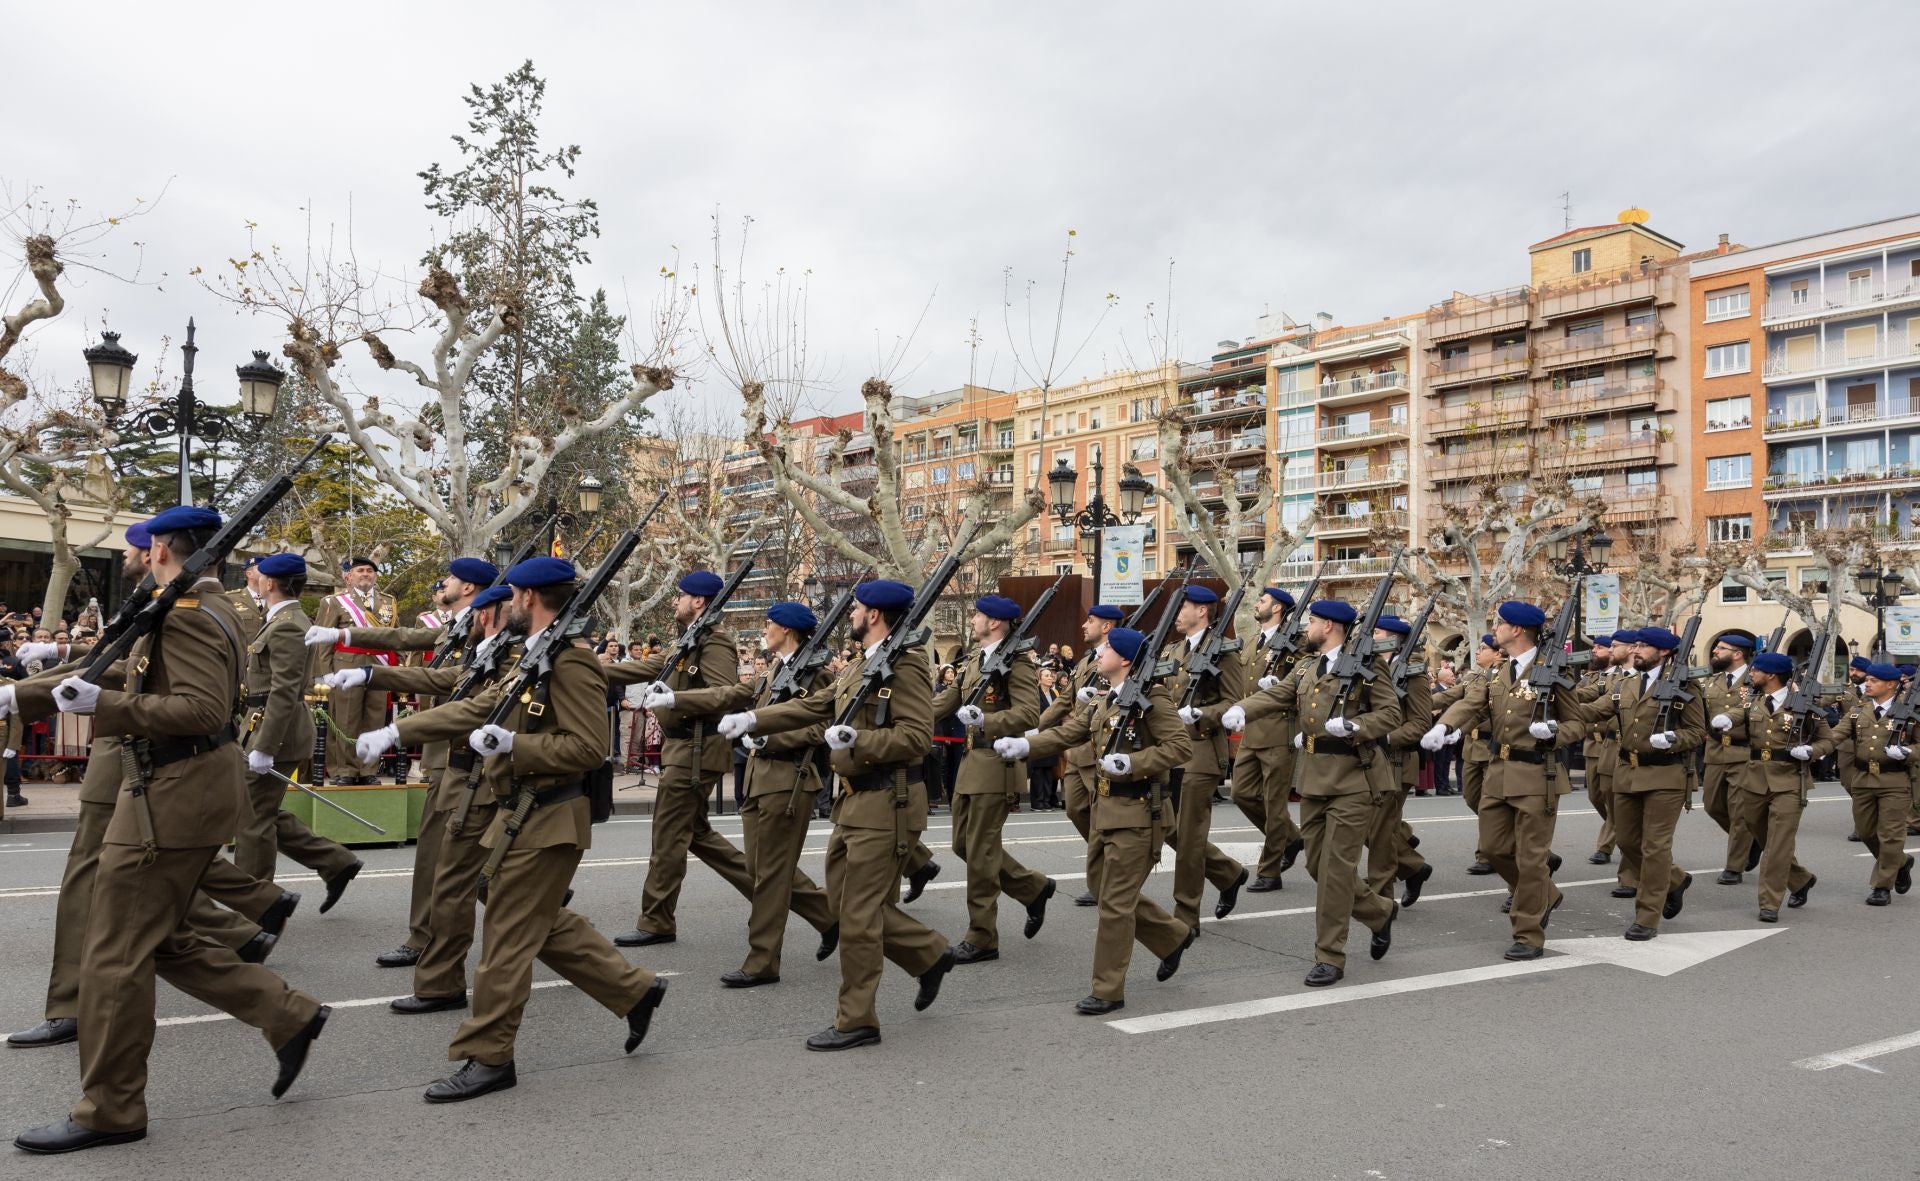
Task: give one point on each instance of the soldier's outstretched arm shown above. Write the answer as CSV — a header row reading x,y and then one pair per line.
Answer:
x,y
451,720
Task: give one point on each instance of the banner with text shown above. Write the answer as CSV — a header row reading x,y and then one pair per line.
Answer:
x,y
1122,577
1601,607
1903,631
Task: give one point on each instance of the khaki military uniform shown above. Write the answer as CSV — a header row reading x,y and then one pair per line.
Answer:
x,y
1124,846
1602,755
879,811
279,723
1197,861
1341,781
1079,766
360,709
1391,856
1882,790
1650,787
1726,758
1263,777
1769,798
987,789
1475,751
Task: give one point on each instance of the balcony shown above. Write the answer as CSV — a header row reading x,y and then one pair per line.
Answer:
x,y
1375,430
1237,447
1213,492
1345,525
1791,485
1610,450
854,475
1354,568
1366,387
1587,348
1890,348
1226,409
1487,414
755,488
1480,461
1795,422
1639,505
1866,298
1632,393
1472,315
1594,292
1478,366
1373,475
1293,399
1000,479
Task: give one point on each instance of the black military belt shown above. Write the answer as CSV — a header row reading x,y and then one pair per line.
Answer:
x,y
168,751
1508,754
256,700
786,756
882,780
461,760
979,742
1876,766
1763,754
572,790
1138,789
1664,758
1326,744
683,733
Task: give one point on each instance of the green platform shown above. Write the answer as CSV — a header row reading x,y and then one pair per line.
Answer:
x,y
393,807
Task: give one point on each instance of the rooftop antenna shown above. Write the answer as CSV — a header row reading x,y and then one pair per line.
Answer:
x,y
1566,210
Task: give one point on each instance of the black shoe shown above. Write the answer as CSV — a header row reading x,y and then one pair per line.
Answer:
x,y
1086,898
1506,906
54,1031
1730,877
1798,898
1479,869
1880,897
1264,885
1753,856
1037,909
833,1039
1640,934
1854,836
1413,841
1415,884
338,883
1903,881
1292,851
293,1055
1677,897
638,938
1598,858
273,920
67,1136
17,801
916,883
1171,964
428,1004
1769,915
967,953
257,949
1383,938
1230,897
1553,862
741,978
1093,1006
399,957
1520,951
641,1015
1321,975
829,939
1624,892
1546,920
471,1081
930,981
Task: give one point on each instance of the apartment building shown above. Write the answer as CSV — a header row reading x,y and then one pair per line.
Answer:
x,y
788,554
948,445
1230,445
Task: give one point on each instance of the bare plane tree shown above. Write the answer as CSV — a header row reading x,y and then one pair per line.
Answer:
x,y
1491,550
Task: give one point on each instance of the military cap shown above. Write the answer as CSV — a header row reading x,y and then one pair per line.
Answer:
x,y
883,594
182,518
281,565
1201,594
1106,611
1394,624
701,583
138,536
792,615
354,563
1487,641
538,572
1736,640
478,571
1125,643
1277,595
1777,664
1860,664
1659,637
1628,636
1906,670
498,593
1883,672
1334,609
1519,614
1603,640
997,607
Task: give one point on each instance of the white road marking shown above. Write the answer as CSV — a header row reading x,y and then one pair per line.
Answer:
x,y
357,1003
1857,1055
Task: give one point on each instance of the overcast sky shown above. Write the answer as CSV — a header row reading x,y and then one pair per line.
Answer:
x,y
1362,159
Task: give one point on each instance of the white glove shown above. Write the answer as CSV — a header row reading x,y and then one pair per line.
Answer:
x,y
970,715
1087,693
1116,764
734,725
1801,752
74,695
1453,736
657,696
1190,714
8,754
1544,731
42,652
374,743
1662,740
1234,719
1721,722
1269,681
491,740
1340,727
8,705
1435,738
1299,742
259,762
839,737
1897,753
347,678
1012,749
752,743
317,636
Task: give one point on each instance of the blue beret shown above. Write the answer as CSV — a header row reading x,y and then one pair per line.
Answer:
x,y
702,583
883,594
1278,595
1777,664
1629,636
1125,642
1659,637
1883,672
281,565
1335,610
138,535
1106,611
1202,594
1521,614
793,615
1394,624
1736,640
183,517
1907,670
1603,641
350,563
538,572
478,571
997,607
1488,641
1860,664
498,593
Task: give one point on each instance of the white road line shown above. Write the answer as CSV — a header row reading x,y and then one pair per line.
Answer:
x,y
1857,1055
358,1003
1914,849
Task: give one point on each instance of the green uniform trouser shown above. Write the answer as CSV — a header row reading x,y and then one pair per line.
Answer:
x,y
863,875
1600,795
680,827
1717,797
1644,822
1076,790
1473,778
978,821
1118,862
453,890
1880,817
426,856
774,837
1197,861
1335,828
1262,777
1390,856
268,829
1774,820
1517,833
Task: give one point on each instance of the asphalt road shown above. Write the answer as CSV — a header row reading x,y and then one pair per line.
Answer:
x,y
1736,1066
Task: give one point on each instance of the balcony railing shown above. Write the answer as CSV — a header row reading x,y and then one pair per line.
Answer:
x,y
1490,414
1479,461
1593,291
1239,444
1592,346
1475,366
1357,567
751,489
1610,448
1808,481
1593,399
1214,409
1000,479
1809,418
1375,428
1362,523
1364,386
1360,477
1472,314
1890,348
1846,302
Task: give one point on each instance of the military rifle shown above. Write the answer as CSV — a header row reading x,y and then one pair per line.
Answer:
x,y
1778,637
1284,645
1548,674
885,660
1020,640
1671,689
1354,666
1146,605
1203,663
1131,701
1803,695
796,675
1401,667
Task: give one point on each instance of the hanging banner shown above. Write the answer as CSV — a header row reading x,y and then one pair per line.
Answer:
x,y
1601,603
1122,575
1903,631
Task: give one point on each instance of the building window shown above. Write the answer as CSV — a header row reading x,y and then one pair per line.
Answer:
x,y
1797,293
1144,447
1859,286
1033,464
1060,568
1582,261
1729,304
940,474
1737,528
965,471
1729,471
916,511
1724,359
1582,328
1647,477
1730,414
1731,591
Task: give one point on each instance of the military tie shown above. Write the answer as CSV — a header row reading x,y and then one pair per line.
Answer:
x,y
1321,670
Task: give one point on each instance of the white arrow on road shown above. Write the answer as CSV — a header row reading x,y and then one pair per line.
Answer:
x,y
1660,957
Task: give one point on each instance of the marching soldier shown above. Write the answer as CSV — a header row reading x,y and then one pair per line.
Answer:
x,y
1079,769
1475,751
357,711
989,786
1882,788
1125,846
181,688
782,776
250,601
879,810
1602,749
1519,799
1263,768
1197,861
1340,785
1769,799
542,754
279,737
1391,855
1728,693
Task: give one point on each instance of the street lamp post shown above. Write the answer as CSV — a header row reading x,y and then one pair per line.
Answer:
x,y
110,367
1883,591
1581,555
1062,483
586,495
